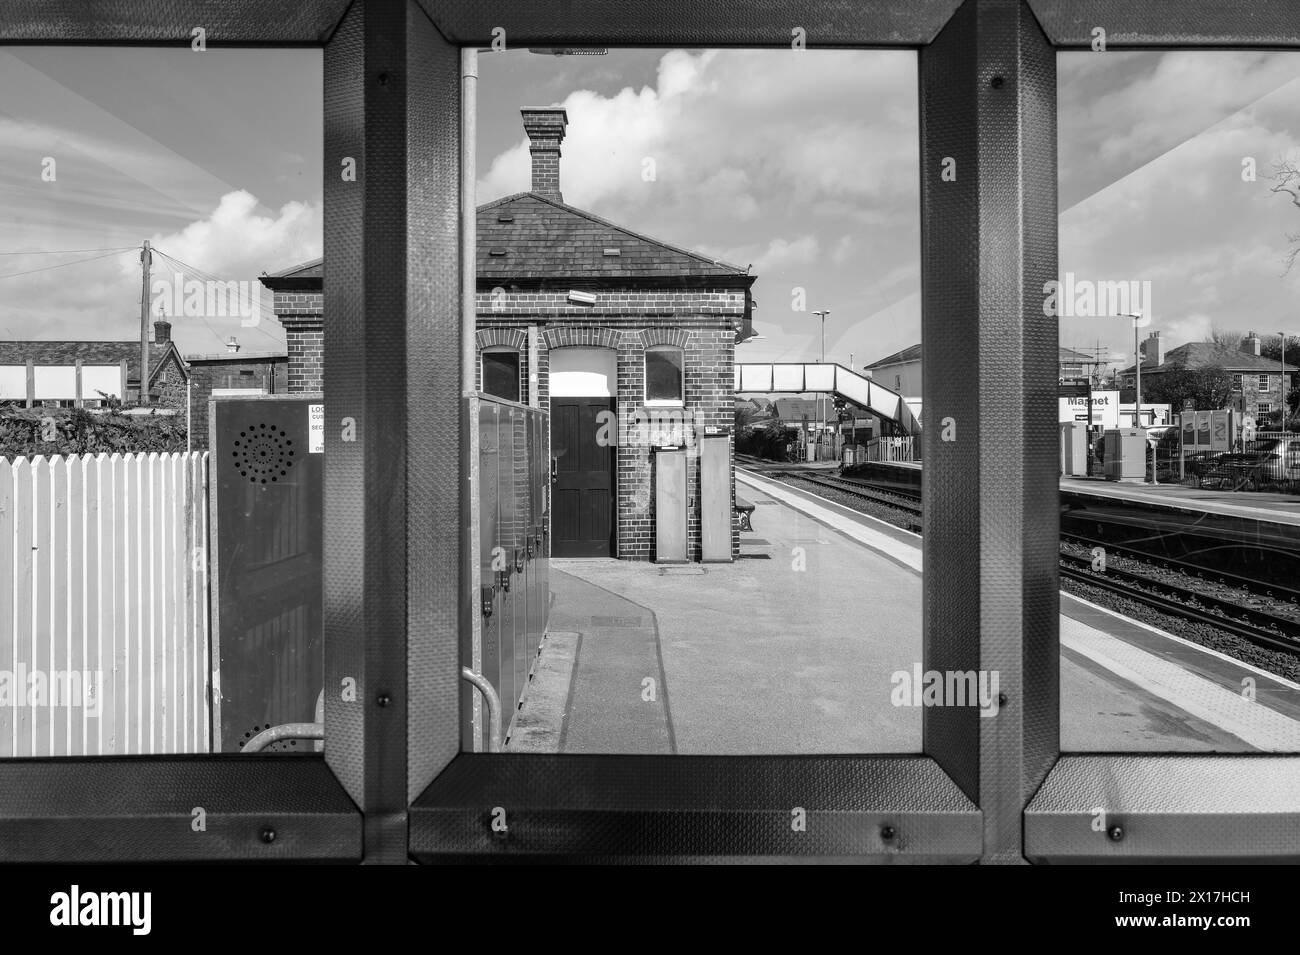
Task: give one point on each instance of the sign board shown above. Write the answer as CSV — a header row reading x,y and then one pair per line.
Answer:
x,y
1220,438
1105,408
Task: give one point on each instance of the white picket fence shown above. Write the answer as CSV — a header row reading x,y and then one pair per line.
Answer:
x,y
104,605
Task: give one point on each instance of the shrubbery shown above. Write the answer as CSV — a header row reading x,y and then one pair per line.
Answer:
x,y
27,432
769,443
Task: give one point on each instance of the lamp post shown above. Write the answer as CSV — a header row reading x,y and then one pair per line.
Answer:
x,y
821,398
1282,368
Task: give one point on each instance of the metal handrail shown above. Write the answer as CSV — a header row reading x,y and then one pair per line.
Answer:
x,y
493,704
284,731
274,734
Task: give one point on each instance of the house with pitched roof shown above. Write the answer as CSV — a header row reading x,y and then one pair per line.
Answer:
x,y
1259,384
87,374
628,342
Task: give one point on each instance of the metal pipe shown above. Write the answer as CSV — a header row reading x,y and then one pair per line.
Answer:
x,y
284,731
493,704
471,577
314,731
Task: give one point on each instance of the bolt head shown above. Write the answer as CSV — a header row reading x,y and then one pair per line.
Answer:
x,y
268,835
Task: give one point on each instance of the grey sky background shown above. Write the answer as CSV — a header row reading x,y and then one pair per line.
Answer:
x,y
803,164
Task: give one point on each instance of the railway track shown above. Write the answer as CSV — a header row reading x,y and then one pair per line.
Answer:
x,y
1257,626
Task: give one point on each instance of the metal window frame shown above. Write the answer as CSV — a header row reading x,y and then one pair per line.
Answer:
x,y
392,784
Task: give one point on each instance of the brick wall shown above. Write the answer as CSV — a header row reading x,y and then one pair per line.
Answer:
x,y
267,373
1253,394
171,392
703,322
302,315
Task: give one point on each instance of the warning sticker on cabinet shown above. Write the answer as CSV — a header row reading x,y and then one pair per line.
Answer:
x,y
315,429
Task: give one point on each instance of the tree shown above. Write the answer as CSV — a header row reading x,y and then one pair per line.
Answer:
x,y
1209,388
1226,338
1271,347
1286,181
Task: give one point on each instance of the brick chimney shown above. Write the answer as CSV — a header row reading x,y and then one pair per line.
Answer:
x,y
545,129
162,332
232,346
1250,344
1153,350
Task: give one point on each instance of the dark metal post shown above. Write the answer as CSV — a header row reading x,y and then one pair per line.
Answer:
x,y
989,244
392,359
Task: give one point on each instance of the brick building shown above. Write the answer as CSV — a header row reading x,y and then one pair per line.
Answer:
x,y
78,374
1259,384
235,371
300,309
626,341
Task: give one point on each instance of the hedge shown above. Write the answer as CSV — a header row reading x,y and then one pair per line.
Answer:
x,y
27,432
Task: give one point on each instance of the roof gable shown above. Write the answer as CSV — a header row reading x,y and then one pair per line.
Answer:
x,y
539,238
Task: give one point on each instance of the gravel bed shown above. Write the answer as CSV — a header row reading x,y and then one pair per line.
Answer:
x,y
891,515
1158,574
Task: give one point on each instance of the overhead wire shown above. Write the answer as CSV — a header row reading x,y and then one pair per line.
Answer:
x,y
202,275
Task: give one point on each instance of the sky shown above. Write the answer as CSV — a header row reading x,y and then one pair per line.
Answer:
x,y
213,156
802,165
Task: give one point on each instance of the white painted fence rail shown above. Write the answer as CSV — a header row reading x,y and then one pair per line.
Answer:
x,y
104,605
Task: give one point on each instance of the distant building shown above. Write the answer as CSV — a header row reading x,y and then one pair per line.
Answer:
x,y
86,374
901,371
582,317
232,372
1259,385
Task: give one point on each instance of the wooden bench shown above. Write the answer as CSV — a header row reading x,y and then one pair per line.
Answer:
x,y
745,509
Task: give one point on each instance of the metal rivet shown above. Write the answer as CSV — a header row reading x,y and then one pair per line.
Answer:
x,y
383,699
996,82
383,79
1116,833
268,835
1002,699
887,833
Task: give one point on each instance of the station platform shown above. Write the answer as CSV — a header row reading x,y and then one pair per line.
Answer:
x,y
1256,505
791,650
1265,506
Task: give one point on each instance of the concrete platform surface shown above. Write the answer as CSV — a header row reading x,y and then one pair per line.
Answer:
x,y
792,648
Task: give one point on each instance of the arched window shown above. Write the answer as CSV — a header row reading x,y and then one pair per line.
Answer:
x,y
663,375
500,370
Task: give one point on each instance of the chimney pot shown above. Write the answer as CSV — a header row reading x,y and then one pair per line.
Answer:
x,y
162,332
545,129
232,345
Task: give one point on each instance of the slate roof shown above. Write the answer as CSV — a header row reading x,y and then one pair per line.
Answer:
x,y
307,276
907,354
90,353
1201,354
546,239
914,353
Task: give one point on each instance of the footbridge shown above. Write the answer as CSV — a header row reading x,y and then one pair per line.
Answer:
x,y
870,397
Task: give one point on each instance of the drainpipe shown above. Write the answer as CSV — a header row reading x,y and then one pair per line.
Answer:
x,y
471,577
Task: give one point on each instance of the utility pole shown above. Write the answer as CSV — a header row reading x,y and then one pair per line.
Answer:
x,y
146,259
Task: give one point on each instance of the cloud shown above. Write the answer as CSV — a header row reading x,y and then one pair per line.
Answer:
x,y
759,156
234,241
